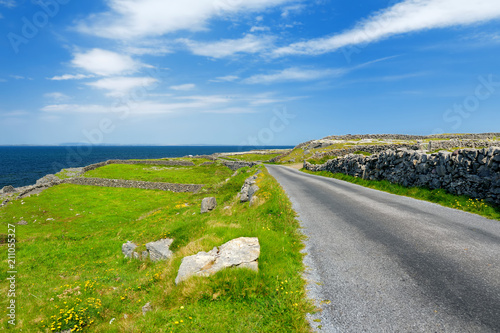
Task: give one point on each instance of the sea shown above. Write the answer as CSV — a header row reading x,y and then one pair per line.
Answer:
x,y
24,165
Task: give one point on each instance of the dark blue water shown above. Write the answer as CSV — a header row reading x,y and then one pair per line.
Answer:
x,y
21,166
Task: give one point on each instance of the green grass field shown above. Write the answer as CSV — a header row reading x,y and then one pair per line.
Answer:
x,y
438,196
201,174
72,274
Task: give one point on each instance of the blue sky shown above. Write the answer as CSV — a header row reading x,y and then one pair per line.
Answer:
x,y
257,72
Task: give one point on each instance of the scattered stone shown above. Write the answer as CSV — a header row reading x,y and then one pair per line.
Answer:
x,y
128,249
208,204
125,316
241,252
156,251
8,189
146,308
22,222
160,250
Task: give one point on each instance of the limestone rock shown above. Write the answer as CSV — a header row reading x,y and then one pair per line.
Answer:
x,y
159,250
239,252
249,188
128,249
254,201
208,204
146,308
47,180
8,189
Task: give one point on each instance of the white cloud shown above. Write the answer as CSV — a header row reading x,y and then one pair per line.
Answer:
x,y
3,80
228,47
17,77
183,87
227,78
70,77
404,17
56,96
259,28
131,19
294,74
119,86
105,63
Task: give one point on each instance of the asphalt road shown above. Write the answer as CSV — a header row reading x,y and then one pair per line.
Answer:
x,y
379,262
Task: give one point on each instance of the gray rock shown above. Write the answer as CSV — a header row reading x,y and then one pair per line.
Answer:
x,y
48,179
128,249
252,190
241,252
22,222
254,201
8,189
208,204
160,250
146,308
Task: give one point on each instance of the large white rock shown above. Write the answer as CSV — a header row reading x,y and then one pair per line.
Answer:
x,y
240,252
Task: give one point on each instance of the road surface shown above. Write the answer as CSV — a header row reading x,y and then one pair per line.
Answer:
x,y
385,263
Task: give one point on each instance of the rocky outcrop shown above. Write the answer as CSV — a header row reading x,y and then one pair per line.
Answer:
x,y
249,188
241,252
208,204
471,172
8,189
156,251
47,180
134,184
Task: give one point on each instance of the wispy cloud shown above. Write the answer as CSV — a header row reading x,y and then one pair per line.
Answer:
x,y
131,19
56,97
181,104
228,47
404,17
184,87
227,78
119,86
294,74
71,77
105,63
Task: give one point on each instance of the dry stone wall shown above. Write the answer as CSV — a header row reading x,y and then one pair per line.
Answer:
x,y
471,172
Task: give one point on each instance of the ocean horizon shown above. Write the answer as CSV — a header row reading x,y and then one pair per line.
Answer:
x,y
24,165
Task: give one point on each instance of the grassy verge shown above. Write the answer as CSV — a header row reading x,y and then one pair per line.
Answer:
x,y
201,174
253,157
438,196
72,274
